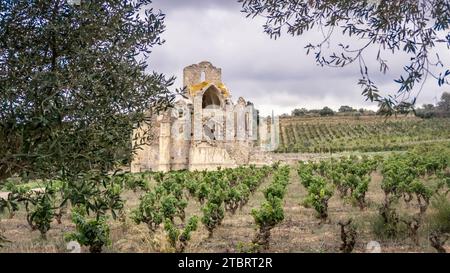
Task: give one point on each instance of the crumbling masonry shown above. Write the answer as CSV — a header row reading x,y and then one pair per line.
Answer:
x,y
204,130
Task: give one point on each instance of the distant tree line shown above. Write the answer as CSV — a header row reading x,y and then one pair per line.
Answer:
x,y
344,110
441,109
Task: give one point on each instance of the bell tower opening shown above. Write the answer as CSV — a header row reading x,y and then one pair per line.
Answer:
x,y
202,76
211,98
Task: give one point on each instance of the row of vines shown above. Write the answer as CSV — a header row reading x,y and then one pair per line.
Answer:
x,y
162,204
417,180
323,137
414,179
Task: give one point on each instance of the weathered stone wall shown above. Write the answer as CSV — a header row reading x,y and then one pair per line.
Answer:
x,y
180,148
239,151
192,74
146,138
165,145
206,157
147,159
264,138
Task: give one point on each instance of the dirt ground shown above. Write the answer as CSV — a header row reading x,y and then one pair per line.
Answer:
x,y
300,231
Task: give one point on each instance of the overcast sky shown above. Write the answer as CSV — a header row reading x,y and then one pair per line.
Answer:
x,y
274,74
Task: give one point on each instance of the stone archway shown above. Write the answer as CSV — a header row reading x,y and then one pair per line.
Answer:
x,y
211,98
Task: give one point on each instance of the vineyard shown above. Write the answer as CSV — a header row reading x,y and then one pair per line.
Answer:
x,y
335,205
365,134
107,148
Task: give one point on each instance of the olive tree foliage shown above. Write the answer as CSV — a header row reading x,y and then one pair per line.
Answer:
x,y
413,27
73,84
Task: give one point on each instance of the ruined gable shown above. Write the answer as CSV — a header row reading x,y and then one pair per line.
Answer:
x,y
204,71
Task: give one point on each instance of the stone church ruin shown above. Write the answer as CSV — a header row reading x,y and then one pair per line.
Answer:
x,y
205,129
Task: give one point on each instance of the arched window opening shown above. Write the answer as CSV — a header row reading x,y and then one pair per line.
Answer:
x,y
211,98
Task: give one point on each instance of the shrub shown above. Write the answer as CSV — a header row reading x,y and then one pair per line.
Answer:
x,y
319,192
271,211
213,215
360,190
135,182
267,217
236,197
93,233
179,238
41,215
172,207
148,212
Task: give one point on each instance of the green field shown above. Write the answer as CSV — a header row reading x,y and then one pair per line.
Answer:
x,y
365,134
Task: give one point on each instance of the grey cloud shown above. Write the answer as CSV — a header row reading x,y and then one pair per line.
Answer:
x,y
275,75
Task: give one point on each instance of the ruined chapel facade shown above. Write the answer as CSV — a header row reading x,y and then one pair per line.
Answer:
x,y
205,129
